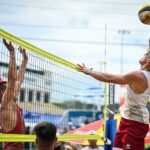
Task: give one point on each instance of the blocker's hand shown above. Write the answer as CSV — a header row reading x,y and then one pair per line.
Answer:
x,y
24,54
9,46
83,68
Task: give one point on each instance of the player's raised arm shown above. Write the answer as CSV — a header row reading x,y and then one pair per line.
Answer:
x,y
20,72
12,75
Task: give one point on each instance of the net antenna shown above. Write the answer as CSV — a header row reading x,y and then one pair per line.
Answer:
x,y
105,87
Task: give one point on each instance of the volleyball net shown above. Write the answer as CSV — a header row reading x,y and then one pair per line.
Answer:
x,y
51,89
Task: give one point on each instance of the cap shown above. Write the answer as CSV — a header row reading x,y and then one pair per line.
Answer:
x,y
2,81
92,132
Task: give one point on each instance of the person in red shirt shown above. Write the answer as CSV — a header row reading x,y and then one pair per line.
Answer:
x,y
11,115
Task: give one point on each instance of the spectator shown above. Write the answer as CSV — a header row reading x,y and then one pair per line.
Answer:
x,y
92,143
45,136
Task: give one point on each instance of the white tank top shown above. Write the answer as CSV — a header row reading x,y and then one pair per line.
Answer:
x,y
135,104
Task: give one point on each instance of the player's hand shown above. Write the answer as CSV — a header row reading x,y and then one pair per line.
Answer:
x,y
9,46
83,68
23,52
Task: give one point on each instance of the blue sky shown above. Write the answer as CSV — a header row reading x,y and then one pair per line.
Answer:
x,y
75,29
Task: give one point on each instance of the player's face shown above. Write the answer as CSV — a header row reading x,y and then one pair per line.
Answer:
x,y
142,61
92,142
145,63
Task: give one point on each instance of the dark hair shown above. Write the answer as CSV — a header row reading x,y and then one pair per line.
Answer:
x,y
45,131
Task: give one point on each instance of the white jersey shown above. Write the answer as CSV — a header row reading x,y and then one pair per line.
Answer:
x,y
135,104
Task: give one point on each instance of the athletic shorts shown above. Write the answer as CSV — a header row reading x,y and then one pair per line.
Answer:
x,y
130,135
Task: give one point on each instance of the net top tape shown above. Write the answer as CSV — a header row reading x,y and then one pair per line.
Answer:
x,y
4,34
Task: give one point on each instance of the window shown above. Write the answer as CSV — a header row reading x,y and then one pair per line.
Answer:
x,y
30,96
46,97
38,96
22,95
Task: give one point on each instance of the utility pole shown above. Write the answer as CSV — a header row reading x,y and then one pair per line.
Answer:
x,y
102,69
122,33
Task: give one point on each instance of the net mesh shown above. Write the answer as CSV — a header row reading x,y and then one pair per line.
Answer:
x,y
50,87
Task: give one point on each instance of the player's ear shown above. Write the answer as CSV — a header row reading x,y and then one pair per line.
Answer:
x,y
148,63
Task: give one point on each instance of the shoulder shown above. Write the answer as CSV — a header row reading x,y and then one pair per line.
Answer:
x,y
135,74
133,77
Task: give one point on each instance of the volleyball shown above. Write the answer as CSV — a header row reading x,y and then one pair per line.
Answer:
x,y
144,14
